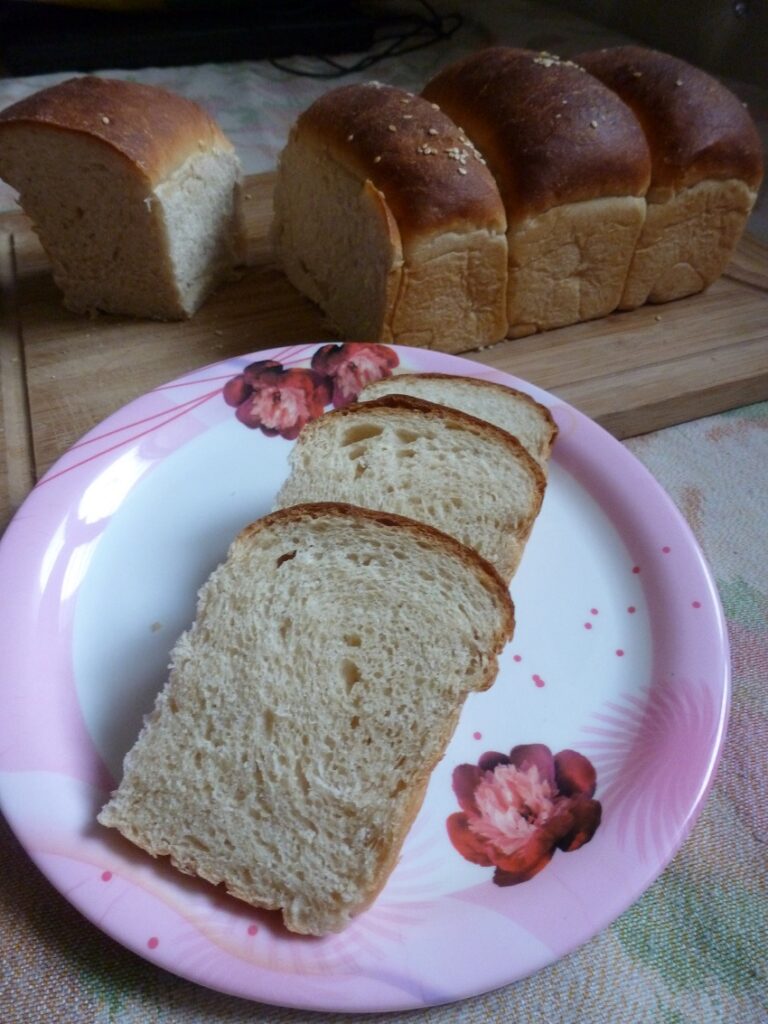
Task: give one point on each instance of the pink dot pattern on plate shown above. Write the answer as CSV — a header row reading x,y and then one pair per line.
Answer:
x,y
635,568
696,604
593,611
538,680
516,657
253,929
666,549
106,876
619,653
153,942
477,735
631,609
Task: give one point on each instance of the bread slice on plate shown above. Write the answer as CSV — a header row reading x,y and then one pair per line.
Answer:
x,y
438,465
134,191
512,410
289,752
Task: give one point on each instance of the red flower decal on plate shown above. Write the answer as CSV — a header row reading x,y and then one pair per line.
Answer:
x,y
351,366
280,400
518,808
275,399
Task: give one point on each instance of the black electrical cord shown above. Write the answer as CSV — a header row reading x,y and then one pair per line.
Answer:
x,y
417,33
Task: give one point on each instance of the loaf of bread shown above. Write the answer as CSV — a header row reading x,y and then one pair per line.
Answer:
x,y
133,191
511,410
706,170
290,749
572,166
440,466
388,219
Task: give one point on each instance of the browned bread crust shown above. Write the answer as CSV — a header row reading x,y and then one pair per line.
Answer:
x,y
697,129
154,129
489,385
552,134
429,172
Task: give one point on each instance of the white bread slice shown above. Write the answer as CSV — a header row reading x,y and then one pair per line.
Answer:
x,y
511,410
134,192
438,465
306,708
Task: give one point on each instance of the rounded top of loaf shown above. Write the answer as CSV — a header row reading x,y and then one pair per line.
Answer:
x,y
155,129
552,134
697,129
430,174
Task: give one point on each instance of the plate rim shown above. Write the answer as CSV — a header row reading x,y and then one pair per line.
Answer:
x,y
465,366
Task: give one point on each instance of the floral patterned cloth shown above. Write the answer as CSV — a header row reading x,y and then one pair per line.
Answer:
x,y
692,949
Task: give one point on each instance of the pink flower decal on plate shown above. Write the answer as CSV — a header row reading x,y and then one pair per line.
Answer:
x,y
518,808
280,400
351,366
275,399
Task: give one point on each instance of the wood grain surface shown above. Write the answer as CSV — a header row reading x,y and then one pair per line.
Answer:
x,y
61,374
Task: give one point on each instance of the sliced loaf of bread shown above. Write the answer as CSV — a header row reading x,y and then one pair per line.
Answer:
x,y
134,191
306,708
438,465
512,410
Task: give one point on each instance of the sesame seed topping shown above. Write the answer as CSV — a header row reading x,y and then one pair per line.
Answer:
x,y
104,119
679,81
391,128
407,117
432,131
350,137
435,106
637,74
593,124
462,170
376,159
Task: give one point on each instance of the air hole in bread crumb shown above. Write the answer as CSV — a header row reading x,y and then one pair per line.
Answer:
x,y
352,639
354,722
173,707
284,628
301,778
405,453
350,673
398,788
360,468
360,432
269,721
285,558
406,436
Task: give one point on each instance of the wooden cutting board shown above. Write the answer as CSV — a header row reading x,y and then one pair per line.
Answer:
x,y
61,374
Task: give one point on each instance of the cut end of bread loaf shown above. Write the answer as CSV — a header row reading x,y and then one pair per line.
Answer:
x,y
400,454
290,750
507,408
387,218
134,192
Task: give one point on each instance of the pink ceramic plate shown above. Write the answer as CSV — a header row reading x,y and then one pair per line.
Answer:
x,y
619,666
